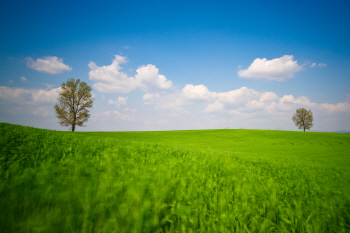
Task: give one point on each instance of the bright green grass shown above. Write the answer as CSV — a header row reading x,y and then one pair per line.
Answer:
x,y
173,181
315,149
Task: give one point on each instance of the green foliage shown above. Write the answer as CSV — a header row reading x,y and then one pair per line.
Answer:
x,y
94,182
74,102
303,119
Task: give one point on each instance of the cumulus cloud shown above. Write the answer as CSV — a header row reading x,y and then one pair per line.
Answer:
x,y
288,102
23,79
268,97
238,96
214,107
242,102
48,64
192,95
120,101
276,69
150,96
149,79
110,78
197,92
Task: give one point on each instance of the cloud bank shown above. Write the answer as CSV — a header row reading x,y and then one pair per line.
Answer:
x,y
243,100
28,101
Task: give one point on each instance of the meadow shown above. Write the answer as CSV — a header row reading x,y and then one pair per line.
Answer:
x,y
173,181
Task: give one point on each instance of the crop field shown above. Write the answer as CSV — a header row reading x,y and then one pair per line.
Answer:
x,y
173,181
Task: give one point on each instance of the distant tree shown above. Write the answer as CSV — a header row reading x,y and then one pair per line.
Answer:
x,y
303,119
74,102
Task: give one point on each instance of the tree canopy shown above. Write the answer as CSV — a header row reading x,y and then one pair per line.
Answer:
x,y
303,118
74,102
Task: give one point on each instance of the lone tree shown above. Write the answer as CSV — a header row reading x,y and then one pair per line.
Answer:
x,y
74,102
303,119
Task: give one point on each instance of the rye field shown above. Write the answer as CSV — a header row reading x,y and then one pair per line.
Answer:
x,y
173,181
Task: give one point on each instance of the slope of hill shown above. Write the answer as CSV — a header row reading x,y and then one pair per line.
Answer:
x,y
291,147
173,181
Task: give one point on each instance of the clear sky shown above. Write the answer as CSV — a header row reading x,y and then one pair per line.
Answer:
x,y
162,65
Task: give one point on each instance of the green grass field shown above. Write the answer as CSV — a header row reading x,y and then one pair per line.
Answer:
x,y
173,181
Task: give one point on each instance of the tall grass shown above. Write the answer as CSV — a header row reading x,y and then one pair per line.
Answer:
x,y
65,182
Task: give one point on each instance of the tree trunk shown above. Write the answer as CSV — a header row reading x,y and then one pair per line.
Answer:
x,y
304,129
73,125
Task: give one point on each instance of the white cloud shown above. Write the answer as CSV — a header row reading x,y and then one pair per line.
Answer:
x,y
132,110
288,102
10,81
110,79
268,97
26,102
239,96
52,65
41,111
10,95
198,92
172,102
334,108
149,79
275,69
150,96
319,65
189,95
266,102
23,79
120,101
47,96
243,103
193,95
214,107
313,65
48,86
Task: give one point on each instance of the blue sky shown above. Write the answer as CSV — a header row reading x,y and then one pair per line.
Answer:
x,y
160,65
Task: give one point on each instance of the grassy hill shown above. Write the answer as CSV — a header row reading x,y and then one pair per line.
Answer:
x,y
294,147
173,181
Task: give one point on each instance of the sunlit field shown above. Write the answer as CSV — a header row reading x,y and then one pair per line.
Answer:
x,y
173,181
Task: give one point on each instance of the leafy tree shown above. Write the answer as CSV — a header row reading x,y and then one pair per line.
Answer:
x,y
74,102
303,119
